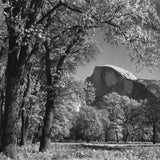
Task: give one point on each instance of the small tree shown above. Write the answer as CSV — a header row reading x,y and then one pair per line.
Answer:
x,y
111,102
120,111
128,105
104,118
151,110
68,102
88,124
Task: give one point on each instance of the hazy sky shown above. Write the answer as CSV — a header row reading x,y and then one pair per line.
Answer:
x,y
115,56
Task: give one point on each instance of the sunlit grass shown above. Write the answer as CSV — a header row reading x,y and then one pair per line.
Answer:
x,y
60,151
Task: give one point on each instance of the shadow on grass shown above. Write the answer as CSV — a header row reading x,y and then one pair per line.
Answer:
x,y
119,147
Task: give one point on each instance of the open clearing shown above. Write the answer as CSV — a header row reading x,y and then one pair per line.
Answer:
x,y
88,151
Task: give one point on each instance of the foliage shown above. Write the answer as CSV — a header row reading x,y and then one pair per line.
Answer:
x,y
88,125
89,93
71,97
111,102
121,111
104,119
137,24
151,113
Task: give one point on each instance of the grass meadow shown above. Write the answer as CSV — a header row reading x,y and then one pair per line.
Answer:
x,y
72,151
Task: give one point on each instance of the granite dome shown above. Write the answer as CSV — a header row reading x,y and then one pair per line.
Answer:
x,y
123,72
110,78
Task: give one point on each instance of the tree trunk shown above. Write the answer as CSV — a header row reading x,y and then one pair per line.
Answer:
x,y
117,137
154,135
1,120
23,109
126,135
9,135
46,131
125,138
23,137
142,136
51,95
48,118
87,139
1,111
14,74
106,135
17,57
24,128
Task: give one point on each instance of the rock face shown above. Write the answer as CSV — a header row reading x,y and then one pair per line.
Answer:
x,y
108,78
152,85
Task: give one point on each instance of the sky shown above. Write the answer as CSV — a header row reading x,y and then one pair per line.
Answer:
x,y
115,56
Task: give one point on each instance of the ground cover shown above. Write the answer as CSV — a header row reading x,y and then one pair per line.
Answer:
x,y
72,151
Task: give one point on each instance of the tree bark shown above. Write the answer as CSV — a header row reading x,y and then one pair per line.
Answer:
x,y
154,135
24,111
46,131
126,135
14,74
117,137
48,118
106,135
24,128
1,111
125,138
9,135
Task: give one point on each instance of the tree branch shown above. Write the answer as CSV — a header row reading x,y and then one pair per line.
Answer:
x,y
72,9
27,87
49,12
57,6
63,57
35,48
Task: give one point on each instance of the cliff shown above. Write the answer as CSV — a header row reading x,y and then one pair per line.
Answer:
x,y
109,78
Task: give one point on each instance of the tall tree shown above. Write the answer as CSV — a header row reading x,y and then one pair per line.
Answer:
x,y
112,102
18,22
73,55
128,105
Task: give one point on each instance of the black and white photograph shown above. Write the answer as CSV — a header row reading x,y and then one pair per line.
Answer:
x,y
79,79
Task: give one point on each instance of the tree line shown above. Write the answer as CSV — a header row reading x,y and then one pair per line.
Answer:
x,y
42,44
116,118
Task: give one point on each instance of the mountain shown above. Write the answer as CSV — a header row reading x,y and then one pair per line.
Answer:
x,y
109,78
152,85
